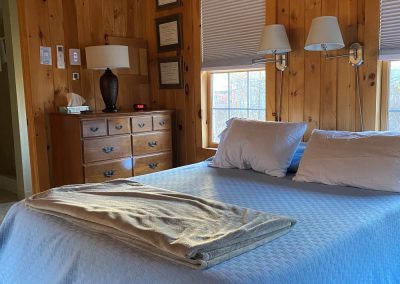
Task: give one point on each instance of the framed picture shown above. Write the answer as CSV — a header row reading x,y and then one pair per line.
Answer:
x,y
169,33
170,73
165,4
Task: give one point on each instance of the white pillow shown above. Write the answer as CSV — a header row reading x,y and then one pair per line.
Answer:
x,y
367,159
266,147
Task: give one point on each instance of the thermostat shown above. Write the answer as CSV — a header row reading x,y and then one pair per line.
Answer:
x,y
60,57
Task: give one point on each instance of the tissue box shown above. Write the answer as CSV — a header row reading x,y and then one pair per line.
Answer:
x,y
75,109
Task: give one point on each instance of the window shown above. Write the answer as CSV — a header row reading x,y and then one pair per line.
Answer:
x,y
235,94
394,97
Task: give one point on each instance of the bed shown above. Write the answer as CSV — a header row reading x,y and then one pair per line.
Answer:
x,y
343,235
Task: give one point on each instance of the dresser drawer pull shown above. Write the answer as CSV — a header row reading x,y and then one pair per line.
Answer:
x,y
94,129
153,166
152,144
108,150
142,124
109,174
119,127
162,123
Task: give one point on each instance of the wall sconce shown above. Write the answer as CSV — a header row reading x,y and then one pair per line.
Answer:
x,y
325,35
275,41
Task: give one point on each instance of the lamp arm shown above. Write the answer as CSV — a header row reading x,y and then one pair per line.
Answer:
x,y
263,60
355,55
329,56
280,60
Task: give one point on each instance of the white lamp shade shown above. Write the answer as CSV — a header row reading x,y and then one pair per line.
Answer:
x,y
274,40
107,56
324,35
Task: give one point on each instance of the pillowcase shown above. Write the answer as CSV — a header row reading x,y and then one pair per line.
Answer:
x,y
266,147
294,165
367,160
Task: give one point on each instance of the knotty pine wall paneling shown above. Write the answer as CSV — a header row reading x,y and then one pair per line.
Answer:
x,y
182,100
318,91
74,24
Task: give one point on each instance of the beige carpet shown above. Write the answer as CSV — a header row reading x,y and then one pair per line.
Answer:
x,y
3,210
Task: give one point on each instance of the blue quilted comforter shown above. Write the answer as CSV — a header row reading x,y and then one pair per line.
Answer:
x,y
343,235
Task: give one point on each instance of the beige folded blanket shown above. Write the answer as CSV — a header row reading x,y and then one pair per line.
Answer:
x,y
186,229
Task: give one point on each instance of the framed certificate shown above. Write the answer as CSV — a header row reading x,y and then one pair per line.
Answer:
x,y
170,73
169,33
165,4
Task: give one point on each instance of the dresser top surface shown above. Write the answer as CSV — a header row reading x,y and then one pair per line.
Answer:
x,y
93,115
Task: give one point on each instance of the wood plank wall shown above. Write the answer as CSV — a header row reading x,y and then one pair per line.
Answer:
x,y
315,90
318,91
74,24
183,101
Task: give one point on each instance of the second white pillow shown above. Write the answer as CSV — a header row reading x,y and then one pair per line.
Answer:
x,y
361,159
266,147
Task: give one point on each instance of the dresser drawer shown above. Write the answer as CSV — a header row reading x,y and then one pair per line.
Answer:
x,y
152,163
104,171
151,143
161,122
118,126
94,128
142,124
95,150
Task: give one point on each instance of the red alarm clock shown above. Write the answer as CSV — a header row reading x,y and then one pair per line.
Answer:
x,y
139,106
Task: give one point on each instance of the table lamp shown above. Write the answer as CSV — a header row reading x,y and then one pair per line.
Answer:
x,y
108,57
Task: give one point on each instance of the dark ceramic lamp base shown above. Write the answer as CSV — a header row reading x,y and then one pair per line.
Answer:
x,y
109,90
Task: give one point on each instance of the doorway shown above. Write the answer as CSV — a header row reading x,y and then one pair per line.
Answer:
x,y
15,171
8,175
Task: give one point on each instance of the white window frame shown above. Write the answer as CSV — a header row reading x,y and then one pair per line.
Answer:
x,y
210,143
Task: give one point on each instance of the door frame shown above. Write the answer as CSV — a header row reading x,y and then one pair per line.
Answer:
x,y
17,98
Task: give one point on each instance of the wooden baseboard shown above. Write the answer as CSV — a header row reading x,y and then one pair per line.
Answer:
x,y
9,184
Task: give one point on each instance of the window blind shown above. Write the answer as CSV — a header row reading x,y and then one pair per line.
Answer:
x,y
231,32
389,39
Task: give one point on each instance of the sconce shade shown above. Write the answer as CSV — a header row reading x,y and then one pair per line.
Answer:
x,y
104,57
324,35
274,40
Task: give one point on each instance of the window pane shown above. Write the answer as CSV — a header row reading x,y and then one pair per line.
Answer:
x,y
257,89
220,90
240,113
236,94
219,118
394,121
238,85
394,97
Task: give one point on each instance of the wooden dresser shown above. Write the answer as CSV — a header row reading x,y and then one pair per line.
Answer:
x,y
98,147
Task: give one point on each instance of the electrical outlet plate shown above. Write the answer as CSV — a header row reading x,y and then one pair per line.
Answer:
x,y
75,76
74,56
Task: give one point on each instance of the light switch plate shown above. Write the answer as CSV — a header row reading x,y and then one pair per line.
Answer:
x,y
60,57
74,56
45,55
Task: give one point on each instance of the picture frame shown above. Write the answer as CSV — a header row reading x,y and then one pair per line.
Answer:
x,y
166,4
169,33
170,73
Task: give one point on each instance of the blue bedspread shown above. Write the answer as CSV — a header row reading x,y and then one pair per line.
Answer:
x,y
343,235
